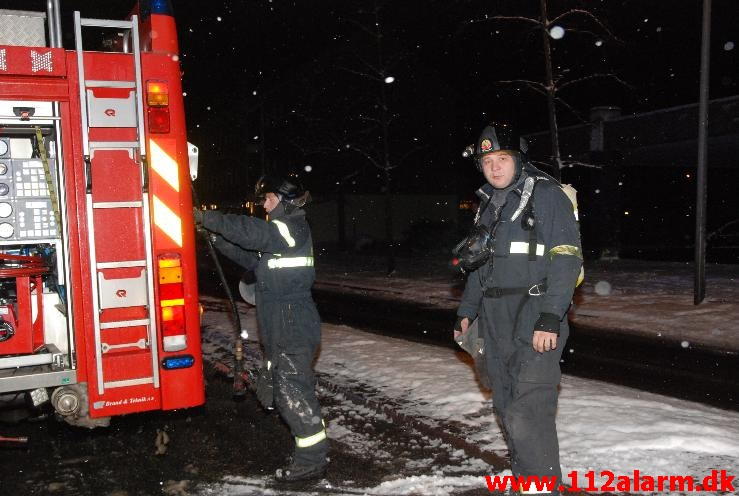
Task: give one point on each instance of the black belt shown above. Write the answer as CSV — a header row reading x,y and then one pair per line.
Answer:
x,y
535,290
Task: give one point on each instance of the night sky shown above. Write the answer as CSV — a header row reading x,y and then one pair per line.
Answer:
x,y
280,85
302,59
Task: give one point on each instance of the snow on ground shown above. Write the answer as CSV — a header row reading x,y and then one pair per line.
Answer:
x,y
416,485
652,299
413,462
601,426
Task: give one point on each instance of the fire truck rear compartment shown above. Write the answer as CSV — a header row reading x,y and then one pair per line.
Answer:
x,y
35,343
86,330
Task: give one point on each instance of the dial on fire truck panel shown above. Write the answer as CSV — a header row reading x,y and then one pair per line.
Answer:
x,y
99,306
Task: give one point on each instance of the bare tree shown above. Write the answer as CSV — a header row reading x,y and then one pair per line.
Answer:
x,y
362,117
374,64
553,83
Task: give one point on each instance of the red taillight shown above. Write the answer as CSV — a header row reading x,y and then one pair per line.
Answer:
x,y
158,120
173,321
157,98
172,302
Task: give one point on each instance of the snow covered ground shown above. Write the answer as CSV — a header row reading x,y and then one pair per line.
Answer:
x,y
601,426
652,299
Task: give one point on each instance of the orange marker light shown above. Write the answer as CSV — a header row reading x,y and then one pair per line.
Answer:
x,y
157,94
169,260
167,313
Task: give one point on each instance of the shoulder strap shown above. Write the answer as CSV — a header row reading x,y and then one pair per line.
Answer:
x,y
528,189
527,207
481,209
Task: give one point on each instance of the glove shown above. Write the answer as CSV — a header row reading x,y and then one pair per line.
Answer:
x,y
266,387
548,322
197,214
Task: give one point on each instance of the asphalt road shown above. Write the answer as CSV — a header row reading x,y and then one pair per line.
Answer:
x,y
649,364
220,441
658,366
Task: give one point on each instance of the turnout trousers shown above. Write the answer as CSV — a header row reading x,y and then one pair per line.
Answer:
x,y
525,389
291,334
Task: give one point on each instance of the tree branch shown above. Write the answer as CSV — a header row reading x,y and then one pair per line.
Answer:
x,y
410,152
587,14
592,76
534,85
506,18
362,27
570,108
577,163
713,234
361,74
369,157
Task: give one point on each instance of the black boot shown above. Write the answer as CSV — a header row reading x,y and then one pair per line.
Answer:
x,y
296,472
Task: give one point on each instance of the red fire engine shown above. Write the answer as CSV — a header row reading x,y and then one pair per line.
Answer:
x,y
99,305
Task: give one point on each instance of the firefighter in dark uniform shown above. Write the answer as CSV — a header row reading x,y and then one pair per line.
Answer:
x,y
523,260
280,251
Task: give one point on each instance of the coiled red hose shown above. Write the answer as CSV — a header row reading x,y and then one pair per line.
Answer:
x,y
23,266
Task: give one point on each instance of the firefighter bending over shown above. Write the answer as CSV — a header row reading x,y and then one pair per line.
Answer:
x,y
523,258
280,251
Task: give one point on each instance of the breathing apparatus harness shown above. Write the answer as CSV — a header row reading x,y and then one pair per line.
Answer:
x,y
477,248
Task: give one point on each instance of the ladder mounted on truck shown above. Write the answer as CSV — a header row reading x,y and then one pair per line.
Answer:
x,y
99,310
122,277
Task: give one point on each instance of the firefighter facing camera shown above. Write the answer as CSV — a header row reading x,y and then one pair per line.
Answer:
x,y
523,258
280,251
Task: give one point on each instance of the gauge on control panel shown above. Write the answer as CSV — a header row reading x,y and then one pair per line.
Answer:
x,y
6,230
3,169
3,147
4,189
5,210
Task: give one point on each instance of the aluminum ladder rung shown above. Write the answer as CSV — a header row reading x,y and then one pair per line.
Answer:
x,y
123,264
105,23
124,323
96,83
113,145
120,204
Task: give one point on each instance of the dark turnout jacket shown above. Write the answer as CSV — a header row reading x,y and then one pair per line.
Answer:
x,y
510,320
285,269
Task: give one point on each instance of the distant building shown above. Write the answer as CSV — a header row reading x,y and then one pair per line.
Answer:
x,y
661,138
638,200
364,217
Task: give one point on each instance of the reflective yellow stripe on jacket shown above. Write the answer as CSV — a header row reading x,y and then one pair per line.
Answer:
x,y
281,263
572,251
565,250
285,232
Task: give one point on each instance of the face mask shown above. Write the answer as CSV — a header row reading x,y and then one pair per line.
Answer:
x,y
475,250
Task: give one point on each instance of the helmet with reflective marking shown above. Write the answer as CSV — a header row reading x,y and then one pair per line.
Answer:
x,y
289,190
497,137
